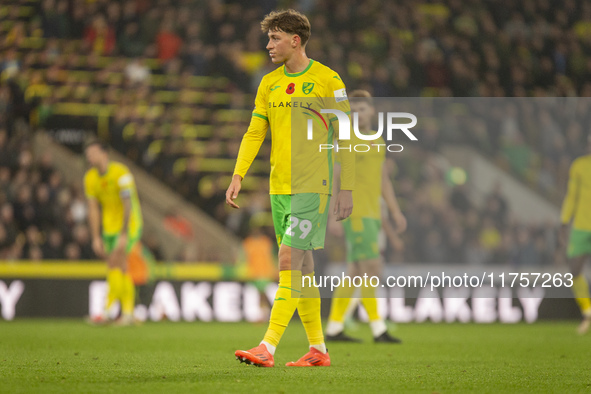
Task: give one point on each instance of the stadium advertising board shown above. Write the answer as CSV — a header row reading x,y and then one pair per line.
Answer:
x,y
232,301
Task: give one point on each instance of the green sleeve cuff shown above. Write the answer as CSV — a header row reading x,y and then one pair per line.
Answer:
x,y
260,116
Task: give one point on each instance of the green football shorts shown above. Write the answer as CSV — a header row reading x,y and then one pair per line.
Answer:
x,y
300,219
361,235
110,241
579,243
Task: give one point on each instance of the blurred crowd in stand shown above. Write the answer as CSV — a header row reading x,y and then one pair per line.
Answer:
x,y
177,80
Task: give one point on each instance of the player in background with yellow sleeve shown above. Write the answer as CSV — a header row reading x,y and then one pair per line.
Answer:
x,y
576,210
300,194
115,221
362,228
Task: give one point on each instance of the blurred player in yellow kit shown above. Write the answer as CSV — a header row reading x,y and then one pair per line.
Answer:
x,y
576,209
300,193
110,191
258,248
362,228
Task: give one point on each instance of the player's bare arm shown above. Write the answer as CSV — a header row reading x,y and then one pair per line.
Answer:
x,y
563,236
392,234
94,223
344,202
122,240
333,227
341,204
392,202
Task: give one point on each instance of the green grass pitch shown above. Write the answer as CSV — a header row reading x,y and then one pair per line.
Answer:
x,y
69,356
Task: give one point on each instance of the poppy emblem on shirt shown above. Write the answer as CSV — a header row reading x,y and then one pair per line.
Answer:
x,y
290,88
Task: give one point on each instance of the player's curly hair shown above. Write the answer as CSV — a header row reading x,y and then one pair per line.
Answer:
x,y
289,21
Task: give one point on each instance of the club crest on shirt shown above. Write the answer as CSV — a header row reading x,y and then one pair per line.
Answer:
x,y
307,87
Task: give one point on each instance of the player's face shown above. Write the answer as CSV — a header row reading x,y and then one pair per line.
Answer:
x,y
365,111
95,155
280,46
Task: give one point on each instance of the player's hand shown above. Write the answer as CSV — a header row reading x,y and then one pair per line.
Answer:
x,y
233,191
344,205
400,221
98,247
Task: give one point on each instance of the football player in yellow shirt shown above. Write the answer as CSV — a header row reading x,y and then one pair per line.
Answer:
x,y
362,228
111,194
576,209
300,179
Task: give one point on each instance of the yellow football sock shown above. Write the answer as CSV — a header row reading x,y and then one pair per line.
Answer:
x,y
309,311
340,302
114,278
127,294
368,294
581,292
285,304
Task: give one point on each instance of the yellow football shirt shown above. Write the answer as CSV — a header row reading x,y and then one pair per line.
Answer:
x,y
577,203
368,177
109,189
297,165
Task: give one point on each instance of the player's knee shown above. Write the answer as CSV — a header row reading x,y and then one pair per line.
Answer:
x,y
308,264
307,269
353,269
117,259
290,258
371,267
284,259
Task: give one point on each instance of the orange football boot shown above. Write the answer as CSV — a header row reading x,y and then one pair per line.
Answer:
x,y
98,320
314,358
258,356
